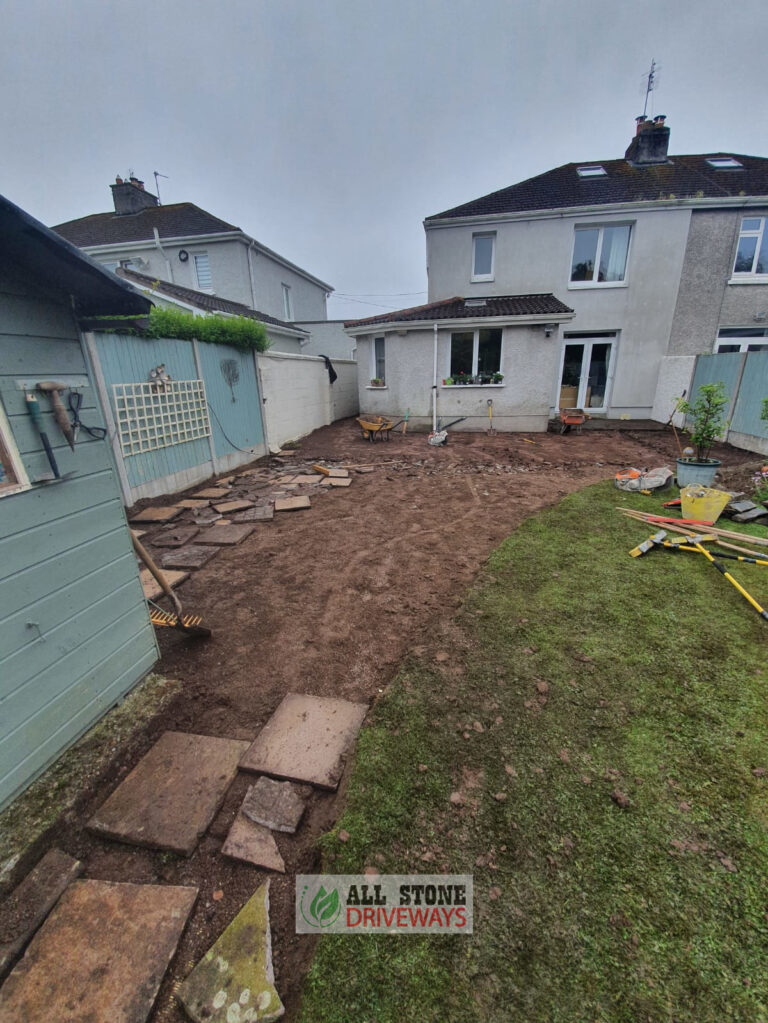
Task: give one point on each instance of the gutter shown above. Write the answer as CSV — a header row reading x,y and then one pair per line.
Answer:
x,y
465,321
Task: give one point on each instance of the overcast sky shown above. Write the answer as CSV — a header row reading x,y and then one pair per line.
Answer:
x,y
329,130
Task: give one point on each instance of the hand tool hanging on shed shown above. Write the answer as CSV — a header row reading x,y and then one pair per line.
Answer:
x,y
52,388
33,407
189,624
722,570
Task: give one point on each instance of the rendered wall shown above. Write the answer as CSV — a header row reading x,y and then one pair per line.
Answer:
x,y
534,256
328,338
529,364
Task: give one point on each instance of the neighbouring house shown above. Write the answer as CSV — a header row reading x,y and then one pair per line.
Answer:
x,y
283,337
327,337
660,257
469,355
75,635
185,245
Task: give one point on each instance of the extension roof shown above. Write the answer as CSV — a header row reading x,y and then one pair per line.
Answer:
x,y
202,300
178,220
471,308
682,177
33,248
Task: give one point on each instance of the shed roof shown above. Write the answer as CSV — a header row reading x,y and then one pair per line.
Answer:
x,y
682,177
32,247
471,308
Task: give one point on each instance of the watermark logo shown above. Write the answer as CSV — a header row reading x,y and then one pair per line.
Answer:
x,y
323,909
384,903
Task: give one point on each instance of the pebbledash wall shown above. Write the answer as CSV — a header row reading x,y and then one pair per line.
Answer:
x,y
529,362
222,408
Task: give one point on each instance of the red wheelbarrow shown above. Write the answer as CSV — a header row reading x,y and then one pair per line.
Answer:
x,y
570,417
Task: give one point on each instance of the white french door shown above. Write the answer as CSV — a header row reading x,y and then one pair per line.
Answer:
x,y
586,373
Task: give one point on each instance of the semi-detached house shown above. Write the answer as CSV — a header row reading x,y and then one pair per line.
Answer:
x,y
660,258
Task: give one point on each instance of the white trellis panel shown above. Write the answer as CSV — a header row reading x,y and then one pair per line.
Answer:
x,y
151,417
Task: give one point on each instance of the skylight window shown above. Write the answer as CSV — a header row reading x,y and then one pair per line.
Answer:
x,y
724,163
592,170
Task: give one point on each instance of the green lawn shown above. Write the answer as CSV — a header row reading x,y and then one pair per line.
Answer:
x,y
591,673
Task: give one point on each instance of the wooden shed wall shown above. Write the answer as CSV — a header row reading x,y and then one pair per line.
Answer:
x,y
74,631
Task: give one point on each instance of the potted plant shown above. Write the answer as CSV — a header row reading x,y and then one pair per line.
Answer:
x,y
448,381
496,378
377,382
708,422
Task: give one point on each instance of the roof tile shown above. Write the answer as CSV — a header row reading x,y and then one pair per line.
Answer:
x,y
178,220
468,308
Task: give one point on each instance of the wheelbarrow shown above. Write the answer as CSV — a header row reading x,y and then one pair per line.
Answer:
x,y
570,417
375,426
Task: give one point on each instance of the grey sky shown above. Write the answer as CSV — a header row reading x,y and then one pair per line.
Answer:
x,y
328,131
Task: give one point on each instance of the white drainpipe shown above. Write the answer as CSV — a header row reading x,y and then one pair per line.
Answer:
x,y
434,384
162,252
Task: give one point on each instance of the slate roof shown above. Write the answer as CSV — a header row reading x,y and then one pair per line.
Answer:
x,y
683,177
459,309
210,303
178,220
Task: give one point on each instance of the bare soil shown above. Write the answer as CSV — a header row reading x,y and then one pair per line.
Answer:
x,y
328,602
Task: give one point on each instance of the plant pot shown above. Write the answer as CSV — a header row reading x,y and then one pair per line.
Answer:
x,y
691,470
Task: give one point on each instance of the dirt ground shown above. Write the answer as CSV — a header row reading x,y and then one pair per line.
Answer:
x,y
328,602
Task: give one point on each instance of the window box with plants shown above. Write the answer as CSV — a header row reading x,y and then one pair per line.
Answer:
x,y
481,380
707,424
377,382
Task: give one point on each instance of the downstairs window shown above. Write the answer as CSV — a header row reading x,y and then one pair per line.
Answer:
x,y
476,352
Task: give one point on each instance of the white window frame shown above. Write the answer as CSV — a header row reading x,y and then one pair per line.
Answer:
x,y
750,276
287,303
589,340
374,375
743,341
203,255
9,443
581,285
476,349
489,276
592,170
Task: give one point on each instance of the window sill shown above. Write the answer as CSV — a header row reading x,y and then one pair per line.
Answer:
x,y
595,285
482,278
750,279
371,387
469,387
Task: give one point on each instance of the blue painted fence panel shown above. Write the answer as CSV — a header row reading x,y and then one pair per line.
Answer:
x,y
233,396
749,404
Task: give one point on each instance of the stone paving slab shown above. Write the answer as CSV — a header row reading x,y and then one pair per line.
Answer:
x,y
29,904
278,805
262,513
193,503
291,503
333,481
152,588
235,979
100,956
205,516
160,514
194,556
172,795
211,493
233,506
751,516
226,534
253,843
306,739
176,536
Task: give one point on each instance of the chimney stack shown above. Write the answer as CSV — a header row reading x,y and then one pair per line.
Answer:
x,y
131,197
651,142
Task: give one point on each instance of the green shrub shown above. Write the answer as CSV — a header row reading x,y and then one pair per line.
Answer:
x,y
237,331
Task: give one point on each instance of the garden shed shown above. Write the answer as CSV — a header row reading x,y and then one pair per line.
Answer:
x,y
75,635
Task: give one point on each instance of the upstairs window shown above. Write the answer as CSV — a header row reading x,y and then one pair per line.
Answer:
x,y
476,352
724,163
287,303
752,252
600,255
203,272
483,246
592,170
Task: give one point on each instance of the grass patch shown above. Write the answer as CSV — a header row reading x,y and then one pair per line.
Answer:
x,y
594,677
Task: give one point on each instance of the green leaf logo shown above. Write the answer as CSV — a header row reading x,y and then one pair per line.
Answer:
x,y
324,908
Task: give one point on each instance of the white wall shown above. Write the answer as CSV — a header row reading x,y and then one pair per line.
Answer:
x,y
327,338
534,256
298,396
529,362
675,375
